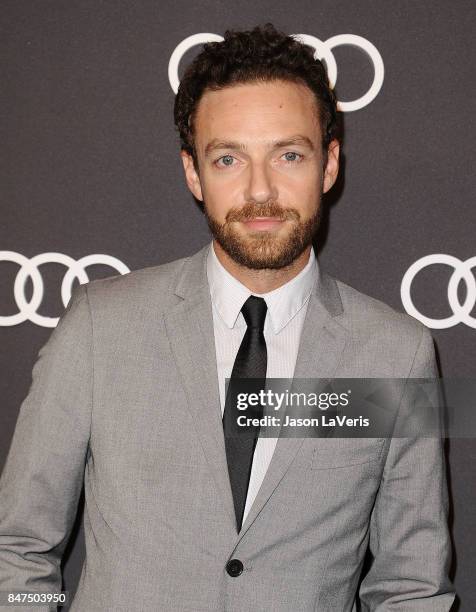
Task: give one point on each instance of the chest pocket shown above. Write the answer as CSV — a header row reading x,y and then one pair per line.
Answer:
x,y
327,453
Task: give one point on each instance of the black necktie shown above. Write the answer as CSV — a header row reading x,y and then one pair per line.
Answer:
x,y
251,361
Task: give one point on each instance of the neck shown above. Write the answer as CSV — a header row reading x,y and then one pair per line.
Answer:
x,y
262,281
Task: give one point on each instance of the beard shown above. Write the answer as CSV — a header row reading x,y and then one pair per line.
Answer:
x,y
263,249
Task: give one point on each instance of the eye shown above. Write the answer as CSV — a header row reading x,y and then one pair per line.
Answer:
x,y
227,161
291,156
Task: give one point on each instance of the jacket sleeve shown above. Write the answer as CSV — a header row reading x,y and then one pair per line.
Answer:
x,y
409,536
43,475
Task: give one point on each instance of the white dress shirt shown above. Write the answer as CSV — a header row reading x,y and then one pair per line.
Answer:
x,y
287,307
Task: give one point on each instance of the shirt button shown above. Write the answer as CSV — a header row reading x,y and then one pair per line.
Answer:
x,y
234,567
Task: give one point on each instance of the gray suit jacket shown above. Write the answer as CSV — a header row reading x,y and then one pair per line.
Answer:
x,y
125,399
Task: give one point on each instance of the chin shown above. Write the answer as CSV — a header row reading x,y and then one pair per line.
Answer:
x,y
263,252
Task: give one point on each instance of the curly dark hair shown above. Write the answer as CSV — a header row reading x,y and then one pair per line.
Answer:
x,y
261,54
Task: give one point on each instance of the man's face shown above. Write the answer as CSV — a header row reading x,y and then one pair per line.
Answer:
x,y
261,174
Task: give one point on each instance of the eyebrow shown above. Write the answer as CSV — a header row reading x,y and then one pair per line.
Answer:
x,y
216,143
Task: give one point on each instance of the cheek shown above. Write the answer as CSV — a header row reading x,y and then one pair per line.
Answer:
x,y
304,182
221,196
304,196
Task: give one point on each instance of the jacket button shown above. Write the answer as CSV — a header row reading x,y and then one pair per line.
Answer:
x,y
234,567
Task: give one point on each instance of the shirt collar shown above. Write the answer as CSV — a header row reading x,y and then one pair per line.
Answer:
x,y
228,294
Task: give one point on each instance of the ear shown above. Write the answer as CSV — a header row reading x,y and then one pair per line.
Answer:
x,y
332,166
191,176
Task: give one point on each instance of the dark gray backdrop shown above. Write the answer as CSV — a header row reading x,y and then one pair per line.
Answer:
x,y
91,165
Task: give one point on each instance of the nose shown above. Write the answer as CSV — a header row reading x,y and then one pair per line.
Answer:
x,y
260,187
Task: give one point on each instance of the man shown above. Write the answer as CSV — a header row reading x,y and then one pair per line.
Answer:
x,y
129,392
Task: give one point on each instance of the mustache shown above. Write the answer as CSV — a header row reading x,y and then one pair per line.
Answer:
x,y
270,209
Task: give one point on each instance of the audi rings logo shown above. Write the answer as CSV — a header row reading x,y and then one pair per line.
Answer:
x,y
462,271
323,52
27,310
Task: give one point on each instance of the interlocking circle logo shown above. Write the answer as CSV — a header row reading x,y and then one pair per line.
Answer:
x,y
462,271
323,52
29,269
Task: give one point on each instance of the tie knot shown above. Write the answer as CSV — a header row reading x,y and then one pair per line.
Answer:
x,y
254,312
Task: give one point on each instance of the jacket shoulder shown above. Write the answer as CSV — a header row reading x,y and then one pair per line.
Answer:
x,y
364,314
152,282
397,343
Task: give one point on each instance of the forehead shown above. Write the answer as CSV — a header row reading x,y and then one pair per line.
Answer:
x,y
256,112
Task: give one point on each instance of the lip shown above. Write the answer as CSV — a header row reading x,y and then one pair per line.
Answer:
x,y
263,223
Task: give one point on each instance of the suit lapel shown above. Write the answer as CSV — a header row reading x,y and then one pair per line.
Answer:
x,y
189,325
190,331
321,345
